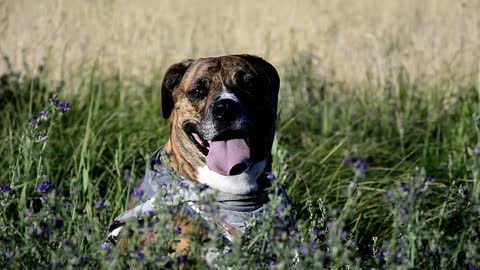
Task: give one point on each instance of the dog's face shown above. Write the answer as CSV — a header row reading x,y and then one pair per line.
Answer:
x,y
222,114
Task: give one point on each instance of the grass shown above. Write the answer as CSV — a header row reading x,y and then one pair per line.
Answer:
x,y
378,138
415,205
351,41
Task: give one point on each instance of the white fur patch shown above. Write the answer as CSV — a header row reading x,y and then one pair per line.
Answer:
x,y
116,232
228,95
240,184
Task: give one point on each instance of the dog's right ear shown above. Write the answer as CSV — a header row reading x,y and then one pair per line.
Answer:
x,y
172,78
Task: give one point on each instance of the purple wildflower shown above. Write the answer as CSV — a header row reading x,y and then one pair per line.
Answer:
x,y
386,253
139,255
105,246
43,186
53,101
43,233
178,230
28,213
138,192
182,183
472,267
344,234
99,203
404,187
44,112
68,243
317,231
431,179
164,181
278,212
313,244
126,175
271,176
5,188
304,250
63,107
109,258
181,259
360,164
58,222
156,220
476,150
34,120
83,260
203,187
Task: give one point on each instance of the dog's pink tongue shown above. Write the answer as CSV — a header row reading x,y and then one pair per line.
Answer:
x,y
228,157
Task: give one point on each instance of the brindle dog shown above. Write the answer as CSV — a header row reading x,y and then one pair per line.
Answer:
x,y
222,113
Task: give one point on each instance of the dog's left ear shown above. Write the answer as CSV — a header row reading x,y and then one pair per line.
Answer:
x,y
269,70
172,78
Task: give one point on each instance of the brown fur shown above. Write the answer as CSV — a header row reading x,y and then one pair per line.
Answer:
x,y
216,72
234,72
250,77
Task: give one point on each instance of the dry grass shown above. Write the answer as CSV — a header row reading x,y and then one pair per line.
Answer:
x,y
350,40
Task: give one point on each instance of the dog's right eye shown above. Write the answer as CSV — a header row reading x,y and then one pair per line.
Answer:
x,y
198,93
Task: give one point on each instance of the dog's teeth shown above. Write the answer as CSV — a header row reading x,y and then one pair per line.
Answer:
x,y
197,138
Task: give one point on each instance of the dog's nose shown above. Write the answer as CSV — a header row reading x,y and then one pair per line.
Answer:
x,y
225,110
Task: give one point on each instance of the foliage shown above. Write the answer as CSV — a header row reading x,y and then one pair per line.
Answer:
x,y
385,181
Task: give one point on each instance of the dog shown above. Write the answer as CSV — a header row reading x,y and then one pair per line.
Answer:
x,y
222,113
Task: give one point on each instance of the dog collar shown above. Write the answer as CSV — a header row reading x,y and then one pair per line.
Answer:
x,y
231,212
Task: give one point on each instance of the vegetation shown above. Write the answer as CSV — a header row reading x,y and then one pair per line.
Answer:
x,y
377,143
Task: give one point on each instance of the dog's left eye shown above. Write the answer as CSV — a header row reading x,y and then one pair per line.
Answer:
x,y
198,93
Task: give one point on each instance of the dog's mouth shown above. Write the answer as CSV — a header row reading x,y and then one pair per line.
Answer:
x,y
227,153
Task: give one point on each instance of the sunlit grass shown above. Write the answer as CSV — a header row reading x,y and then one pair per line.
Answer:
x,y
429,42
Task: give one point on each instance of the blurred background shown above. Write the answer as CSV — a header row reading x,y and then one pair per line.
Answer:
x,y
351,41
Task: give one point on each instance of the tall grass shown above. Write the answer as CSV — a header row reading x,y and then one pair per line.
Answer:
x,y
382,178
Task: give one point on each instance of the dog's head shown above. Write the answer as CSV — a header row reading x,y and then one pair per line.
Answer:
x,y
222,113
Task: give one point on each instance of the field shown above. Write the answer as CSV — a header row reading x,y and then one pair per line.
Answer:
x,y
377,143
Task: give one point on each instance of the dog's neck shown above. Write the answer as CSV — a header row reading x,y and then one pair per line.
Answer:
x,y
246,182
